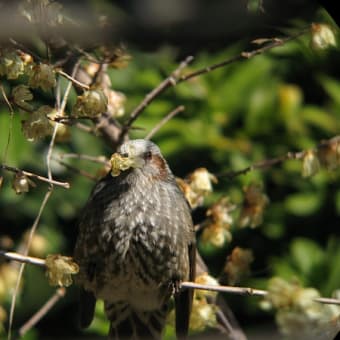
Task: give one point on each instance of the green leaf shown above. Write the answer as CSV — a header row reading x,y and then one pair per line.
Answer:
x,y
303,204
306,255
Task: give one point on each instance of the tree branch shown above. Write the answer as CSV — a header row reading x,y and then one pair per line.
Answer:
x,y
169,81
245,291
245,55
65,185
60,293
169,116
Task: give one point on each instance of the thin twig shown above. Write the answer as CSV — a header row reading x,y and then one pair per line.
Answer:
x,y
169,81
265,164
169,116
22,267
95,159
33,175
22,258
73,80
60,293
191,285
275,42
10,128
76,170
25,49
225,289
245,291
43,204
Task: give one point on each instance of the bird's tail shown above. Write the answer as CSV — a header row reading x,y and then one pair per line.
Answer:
x,y
129,323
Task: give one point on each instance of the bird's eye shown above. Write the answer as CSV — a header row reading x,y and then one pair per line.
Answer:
x,y
148,155
125,155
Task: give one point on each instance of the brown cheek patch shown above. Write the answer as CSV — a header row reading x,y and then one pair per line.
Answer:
x,y
159,163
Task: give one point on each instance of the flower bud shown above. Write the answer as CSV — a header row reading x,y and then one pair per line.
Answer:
x,y
43,76
322,36
310,164
38,125
11,65
21,94
92,103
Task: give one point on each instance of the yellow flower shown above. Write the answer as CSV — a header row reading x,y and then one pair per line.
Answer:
x,y
238,264
38,125
196,186
92,103
253,206
310,164
43,76
21,183
11,65
21,94
322,36
59,270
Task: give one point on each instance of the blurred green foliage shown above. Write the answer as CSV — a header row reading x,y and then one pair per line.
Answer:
x,y
285,100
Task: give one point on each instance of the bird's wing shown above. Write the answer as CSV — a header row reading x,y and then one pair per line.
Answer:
x,y
87,304
183,299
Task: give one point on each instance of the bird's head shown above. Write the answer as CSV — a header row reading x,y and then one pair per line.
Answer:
x,y
140,154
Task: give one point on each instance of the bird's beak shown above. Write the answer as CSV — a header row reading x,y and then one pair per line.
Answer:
x,y
120,163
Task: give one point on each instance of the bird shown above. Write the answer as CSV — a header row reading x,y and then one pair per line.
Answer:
x,y
135,245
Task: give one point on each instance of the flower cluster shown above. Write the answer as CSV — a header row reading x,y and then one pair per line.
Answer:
x,y
297,312
20,95
203,313
91,104
253,206
322,36
238,265
43,76
196,186
59,270
38,125
218,223
326,155
11,64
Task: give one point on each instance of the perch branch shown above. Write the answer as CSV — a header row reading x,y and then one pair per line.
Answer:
x,y
245,291
22,258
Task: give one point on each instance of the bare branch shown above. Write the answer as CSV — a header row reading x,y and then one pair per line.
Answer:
x,y
22,267
73,80
22,258
65,185
245,55
60,293
10,107
169,81
170,115
265,164
95,159
225,289
245,291
76,170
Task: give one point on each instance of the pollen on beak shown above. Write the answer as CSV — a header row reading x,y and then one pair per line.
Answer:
x,y
121,163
